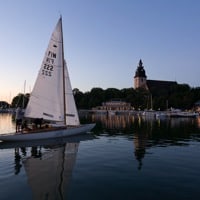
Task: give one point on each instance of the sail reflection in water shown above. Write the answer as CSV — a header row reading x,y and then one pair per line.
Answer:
x,y
49,172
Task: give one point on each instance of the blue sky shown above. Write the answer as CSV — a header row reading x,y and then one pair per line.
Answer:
x,y
104,40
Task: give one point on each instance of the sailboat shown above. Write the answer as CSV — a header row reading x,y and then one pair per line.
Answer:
x,y
52,97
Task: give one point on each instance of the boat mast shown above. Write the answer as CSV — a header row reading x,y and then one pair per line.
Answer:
x,y
63,67
23,102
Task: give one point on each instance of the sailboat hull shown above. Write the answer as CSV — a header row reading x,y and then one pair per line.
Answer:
x,y
47,134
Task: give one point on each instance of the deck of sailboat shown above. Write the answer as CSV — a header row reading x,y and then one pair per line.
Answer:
x,y
46,129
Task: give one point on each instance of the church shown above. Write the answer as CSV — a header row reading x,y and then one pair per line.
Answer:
x,y
141,81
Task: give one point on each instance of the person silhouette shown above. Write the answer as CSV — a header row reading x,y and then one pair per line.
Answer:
x,y
18,119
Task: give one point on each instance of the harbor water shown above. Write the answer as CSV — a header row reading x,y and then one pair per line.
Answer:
x,y
125,157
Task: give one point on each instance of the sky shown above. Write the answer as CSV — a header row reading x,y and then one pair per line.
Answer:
x,y
103,41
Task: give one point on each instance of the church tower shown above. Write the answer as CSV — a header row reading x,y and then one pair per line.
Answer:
x,y
140,78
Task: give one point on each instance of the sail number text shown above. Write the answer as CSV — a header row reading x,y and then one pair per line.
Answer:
x,y
48,65
47,69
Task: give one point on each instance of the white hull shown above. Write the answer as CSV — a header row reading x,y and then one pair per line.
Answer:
x,y
47,134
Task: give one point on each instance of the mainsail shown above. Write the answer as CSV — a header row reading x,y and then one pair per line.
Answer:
x,y
47,98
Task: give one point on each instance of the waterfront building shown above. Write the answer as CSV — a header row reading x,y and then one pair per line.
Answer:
x,y
115,104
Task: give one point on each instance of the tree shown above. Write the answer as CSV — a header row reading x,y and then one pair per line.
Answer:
x,y
4,105
96,97
20,100
112,93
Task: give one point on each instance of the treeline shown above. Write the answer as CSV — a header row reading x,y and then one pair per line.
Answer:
x,y
179,96
4,105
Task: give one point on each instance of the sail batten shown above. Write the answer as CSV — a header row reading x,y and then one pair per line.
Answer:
x,y
52,97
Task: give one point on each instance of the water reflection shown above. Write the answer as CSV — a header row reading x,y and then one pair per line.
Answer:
x,y
180,127
114,122
48,164
51,170
18,164
150,132
144,132
6,123
140,144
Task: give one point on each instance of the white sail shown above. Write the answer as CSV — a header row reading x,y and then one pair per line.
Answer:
x,y
72,117
47,100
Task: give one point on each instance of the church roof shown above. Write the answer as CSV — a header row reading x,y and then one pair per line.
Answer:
x,y
160,85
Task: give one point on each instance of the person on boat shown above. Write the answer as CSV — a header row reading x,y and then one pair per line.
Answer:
x,y
18,119
25,126
38,122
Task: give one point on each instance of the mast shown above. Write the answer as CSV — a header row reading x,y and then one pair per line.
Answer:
x,y
63,67
23,102
151,103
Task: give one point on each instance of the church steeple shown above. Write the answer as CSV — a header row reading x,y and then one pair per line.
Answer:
x,y
140,72
140,76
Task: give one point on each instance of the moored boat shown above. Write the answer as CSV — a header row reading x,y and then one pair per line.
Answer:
x,y
183,114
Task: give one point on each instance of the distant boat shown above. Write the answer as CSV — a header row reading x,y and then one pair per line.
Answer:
x,y
183,114
112,112
161,115
52,98
149,113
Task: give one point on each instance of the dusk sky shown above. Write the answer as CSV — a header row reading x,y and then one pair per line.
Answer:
x,y
103,41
